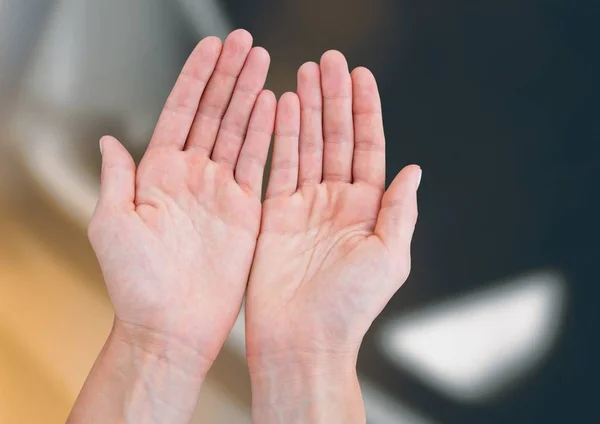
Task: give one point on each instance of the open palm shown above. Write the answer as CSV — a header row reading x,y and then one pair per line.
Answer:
x,y
333,246
175,238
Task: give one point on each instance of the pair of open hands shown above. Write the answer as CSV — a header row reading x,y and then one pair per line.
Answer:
x,y
182,238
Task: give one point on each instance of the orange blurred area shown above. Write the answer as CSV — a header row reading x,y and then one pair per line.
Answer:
x,y
51,325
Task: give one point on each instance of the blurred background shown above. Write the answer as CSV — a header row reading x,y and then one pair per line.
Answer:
x,y
496,100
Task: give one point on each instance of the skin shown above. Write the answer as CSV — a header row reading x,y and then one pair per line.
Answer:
x,y
334,247
175,238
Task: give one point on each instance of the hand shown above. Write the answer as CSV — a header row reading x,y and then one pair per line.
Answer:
x,y
333,247
175,240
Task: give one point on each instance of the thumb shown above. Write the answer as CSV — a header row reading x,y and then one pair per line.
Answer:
x,y
117,181
398,215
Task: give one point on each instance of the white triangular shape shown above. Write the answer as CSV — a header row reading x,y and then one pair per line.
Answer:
x,y
472,348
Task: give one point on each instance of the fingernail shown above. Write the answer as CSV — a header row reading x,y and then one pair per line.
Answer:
x,y
101,146
419,178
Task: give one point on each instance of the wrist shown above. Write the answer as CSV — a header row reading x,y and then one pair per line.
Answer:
x,y
305,387
302,363
149,347
161,377
141,376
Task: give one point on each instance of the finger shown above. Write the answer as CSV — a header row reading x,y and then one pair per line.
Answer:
x,y
369,141
338,129
218,93
235,123
311,124
250,166
398,215
283,179
180,108
117,181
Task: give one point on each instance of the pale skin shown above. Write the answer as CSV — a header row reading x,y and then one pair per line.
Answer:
x,y
177,239
334,247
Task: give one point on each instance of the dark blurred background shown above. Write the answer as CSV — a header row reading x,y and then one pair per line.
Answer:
x,y
497,101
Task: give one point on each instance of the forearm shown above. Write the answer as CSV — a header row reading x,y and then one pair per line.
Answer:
x,y
305,389
140,378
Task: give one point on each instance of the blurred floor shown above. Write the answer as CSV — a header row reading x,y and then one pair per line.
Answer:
x,y
54,312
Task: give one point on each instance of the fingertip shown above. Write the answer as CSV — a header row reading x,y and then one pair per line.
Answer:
x,y
308,71
288,114
290,99
118,173
412,168
241,38
409,177
101,144
261,54
417,173
106,139
108,142
210,43
113,151
399,209
207,50
268,98
365,93
363,78
336,82
308,86
332,58
362,72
